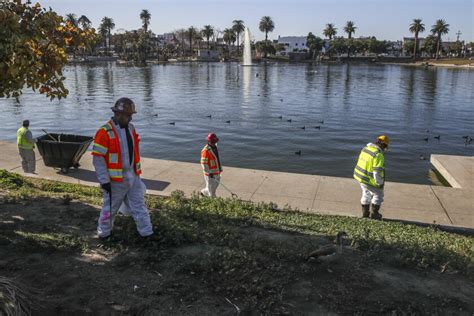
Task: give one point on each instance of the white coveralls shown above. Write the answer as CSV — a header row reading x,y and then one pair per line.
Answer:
x,y
130,192
211,185
371,194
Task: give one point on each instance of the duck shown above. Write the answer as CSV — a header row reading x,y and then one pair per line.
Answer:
x,y
317,127
209,116
298,152
155,115
438,137
422,157
281,100
331,249
321,122
289,120
172,123
228,122
303,127
426,139
280,117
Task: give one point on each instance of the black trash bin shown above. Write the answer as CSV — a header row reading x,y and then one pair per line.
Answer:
x,y
64,151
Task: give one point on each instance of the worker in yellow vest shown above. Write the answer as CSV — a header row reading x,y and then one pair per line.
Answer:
x,y
370,173
116,158
26,146
211,165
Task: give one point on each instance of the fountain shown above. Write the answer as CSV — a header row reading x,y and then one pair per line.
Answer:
x,y
247,49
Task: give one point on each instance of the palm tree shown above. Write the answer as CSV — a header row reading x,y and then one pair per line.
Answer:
x,y
107,25
416,27
229,36
349,29
330,31
84,22
440,28
71,18
238,27
266,25
207,32
191,35
145,16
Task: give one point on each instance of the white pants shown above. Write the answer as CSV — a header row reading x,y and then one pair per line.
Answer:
x,y
130,192
211,185
28,160
371,195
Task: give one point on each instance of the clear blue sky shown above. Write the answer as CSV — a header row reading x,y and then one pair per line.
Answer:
x,y
385,19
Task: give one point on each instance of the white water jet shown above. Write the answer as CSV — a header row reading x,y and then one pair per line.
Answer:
x,y
247,49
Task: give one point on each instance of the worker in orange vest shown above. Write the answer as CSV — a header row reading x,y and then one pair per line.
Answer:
x,y
116,158
211,165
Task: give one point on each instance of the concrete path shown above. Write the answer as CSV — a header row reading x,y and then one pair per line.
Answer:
x,y
314,194
457,170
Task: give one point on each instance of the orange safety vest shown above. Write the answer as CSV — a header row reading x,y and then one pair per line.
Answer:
x,y
107,145
209,161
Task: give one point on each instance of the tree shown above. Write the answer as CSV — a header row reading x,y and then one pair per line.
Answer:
x,y
191,32
350,29
339,45
416,27
145,16
71,18
409,46
229,36
456,48
429,45
315,44
377,47
207,32
33,43
238,27
330,31
266,25
439,28
106,28
84,22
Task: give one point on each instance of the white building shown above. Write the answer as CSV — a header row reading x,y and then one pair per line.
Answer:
x,y
292,44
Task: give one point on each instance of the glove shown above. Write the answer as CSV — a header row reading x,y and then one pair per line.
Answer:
x,y
211,176
106,187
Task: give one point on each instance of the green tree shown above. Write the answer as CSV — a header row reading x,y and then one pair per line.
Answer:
x,y
207,32
106,28
339,45
330,31
315,44
33,44
84,22
456,49
416,27
429,45
377,47
350,29
439,28
145,16
71,18
409,46
191,32
229,36
266,25
238,27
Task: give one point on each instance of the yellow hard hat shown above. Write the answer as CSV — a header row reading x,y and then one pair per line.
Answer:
x,y
383,139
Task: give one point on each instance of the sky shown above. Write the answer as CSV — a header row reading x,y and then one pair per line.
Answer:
x,y
384,19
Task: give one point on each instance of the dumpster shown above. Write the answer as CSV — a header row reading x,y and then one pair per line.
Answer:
x,y
62,150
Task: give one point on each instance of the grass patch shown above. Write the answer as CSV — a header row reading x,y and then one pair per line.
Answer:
x,y
51,241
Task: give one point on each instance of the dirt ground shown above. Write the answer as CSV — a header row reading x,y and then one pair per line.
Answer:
x,y
253,271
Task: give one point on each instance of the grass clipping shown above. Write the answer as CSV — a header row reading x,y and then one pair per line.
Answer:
x,y
13,299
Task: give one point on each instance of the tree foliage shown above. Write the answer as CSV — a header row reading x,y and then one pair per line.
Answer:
x,y
33,44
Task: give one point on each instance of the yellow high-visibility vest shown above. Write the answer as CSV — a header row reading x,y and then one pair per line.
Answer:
x,y
21,139
370,159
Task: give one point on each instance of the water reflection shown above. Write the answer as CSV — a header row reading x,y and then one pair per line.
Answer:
x,y
246,76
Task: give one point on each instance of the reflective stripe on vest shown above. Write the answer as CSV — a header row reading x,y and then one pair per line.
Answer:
x,y
21,140
364,170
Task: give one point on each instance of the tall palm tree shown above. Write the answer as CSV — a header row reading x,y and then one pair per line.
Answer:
x,y
416,27
84,22
191,36
330,31
350,29
207,32
440,28
71,18
238,27
229,36
145,16
108,25
266,25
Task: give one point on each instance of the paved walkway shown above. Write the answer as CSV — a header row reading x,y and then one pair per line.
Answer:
x,y
310,193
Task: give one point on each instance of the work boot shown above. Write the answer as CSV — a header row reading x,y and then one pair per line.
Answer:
x,y
365,210
375,212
